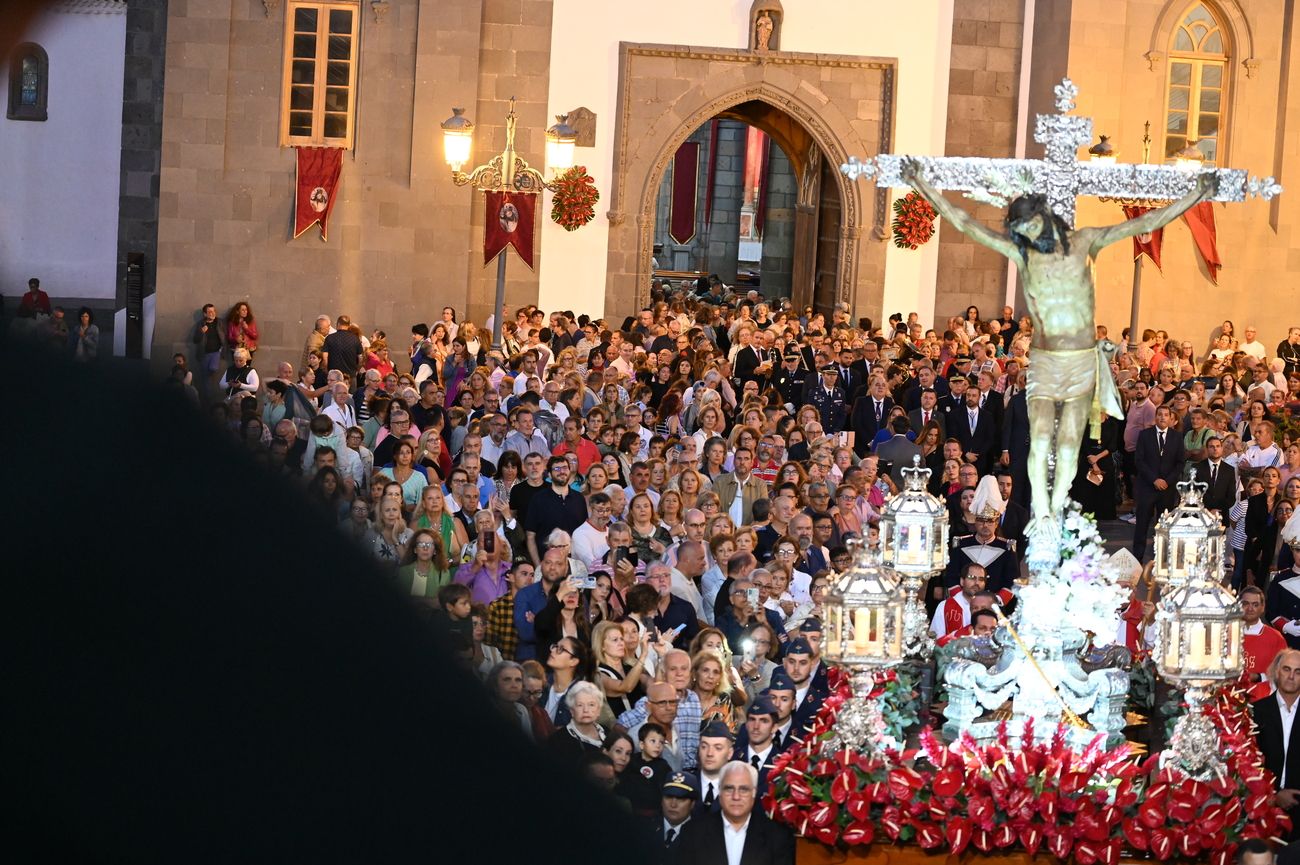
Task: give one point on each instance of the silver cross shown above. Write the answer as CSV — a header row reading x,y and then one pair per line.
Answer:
x,y
1059,175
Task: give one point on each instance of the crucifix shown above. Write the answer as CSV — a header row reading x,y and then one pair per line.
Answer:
x,y
1069,378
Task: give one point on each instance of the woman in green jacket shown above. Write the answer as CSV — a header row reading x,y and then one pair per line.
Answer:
x,y
424,567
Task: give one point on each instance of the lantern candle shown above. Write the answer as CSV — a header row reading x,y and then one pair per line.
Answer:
x,y
863,634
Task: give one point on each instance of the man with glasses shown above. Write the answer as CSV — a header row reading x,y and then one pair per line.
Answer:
x,y
676,708
399,424
738,832
591,539
672,611
553,507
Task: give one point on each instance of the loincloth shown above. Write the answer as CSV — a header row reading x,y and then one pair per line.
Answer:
x,y
1062,375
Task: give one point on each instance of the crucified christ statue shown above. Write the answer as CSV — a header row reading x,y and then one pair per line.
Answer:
x,y
1069,374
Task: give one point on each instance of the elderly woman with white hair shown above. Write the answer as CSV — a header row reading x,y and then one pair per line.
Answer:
x,y
240,378
582,733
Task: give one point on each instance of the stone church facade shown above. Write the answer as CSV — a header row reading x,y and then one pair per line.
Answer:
x,y
962,78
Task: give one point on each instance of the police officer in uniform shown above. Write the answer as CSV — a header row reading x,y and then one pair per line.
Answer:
x,y
679,793
790,378
828,398
759,750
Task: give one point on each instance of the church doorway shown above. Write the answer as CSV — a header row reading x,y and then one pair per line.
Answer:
x,y
750,196
811,107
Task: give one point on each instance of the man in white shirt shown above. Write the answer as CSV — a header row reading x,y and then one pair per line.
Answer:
x,y
341,410
1251,344
691,564
1263,453
527,369
494,444
591,539
623,363
1275,721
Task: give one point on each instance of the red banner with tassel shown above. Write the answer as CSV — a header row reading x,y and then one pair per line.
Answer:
x,y
681,207
509,221
317,187
1200,219
1145,244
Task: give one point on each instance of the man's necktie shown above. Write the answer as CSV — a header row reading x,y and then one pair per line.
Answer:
x,y
925,418
708,797
669,836
973,421
755,762
879,407
1161,436
1214,473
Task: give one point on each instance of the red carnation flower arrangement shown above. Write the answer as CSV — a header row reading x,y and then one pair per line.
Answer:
x,y
1025,793
1179,817
913,223
574,197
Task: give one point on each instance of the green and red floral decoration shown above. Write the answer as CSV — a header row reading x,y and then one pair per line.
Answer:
x,y
1036,796
913,223
574,197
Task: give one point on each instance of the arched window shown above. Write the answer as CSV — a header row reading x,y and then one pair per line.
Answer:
x,y
1196,104
29,82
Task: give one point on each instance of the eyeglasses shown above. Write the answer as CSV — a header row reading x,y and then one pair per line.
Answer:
x,y
785,554
424,545
557,647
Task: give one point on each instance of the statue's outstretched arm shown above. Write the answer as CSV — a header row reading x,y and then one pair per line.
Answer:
x,y
1207,185
956,217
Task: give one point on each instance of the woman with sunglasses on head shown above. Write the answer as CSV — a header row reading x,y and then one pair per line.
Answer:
x,y
424,568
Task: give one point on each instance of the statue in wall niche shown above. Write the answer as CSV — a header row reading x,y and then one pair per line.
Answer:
x,y
763,28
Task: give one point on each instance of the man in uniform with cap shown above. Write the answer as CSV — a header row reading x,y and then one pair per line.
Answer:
x,y
828,398
678,798
798,665
716,744
791,377
758,749
954,403
811,630
995,555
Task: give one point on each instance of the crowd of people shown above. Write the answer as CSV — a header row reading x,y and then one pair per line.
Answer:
x,y
630,527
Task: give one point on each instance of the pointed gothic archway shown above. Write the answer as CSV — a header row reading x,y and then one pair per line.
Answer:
x,y
843,104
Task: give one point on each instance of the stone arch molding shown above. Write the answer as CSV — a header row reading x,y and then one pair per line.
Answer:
x,y
1240,36
649,133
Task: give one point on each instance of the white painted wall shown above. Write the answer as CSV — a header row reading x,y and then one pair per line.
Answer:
x,y
584,71
60,177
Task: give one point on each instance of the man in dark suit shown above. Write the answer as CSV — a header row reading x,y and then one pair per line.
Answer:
x,y
1015,444
1159,462
758,750
869,415
1221,476
755,363
1015,519
738,834
928,411
954,401
976,429
898,450
925,380
1277,733
851,379
825,394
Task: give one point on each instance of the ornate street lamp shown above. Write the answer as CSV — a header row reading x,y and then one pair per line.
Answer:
x,y
1187,536
1199,644
505,172
914,545
863,621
